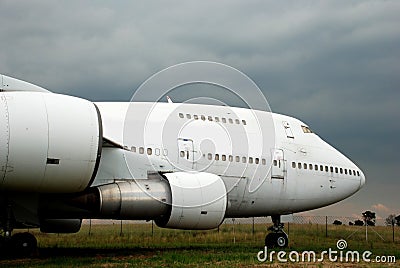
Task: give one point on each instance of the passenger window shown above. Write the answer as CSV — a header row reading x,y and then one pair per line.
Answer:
x,y
244,159
196,117
293,165
345,171
188,116
216,119
341,170
275,163
237,158
321,168
223,120
310,166
209,156
230,158
257,160
203,118
165,152
210,118
157,151
358,173
332,169
244,122
149,151
182,153
216,156
316,167
251,160
237,121
305,166
263,161
336,170
230,121
223,157
141,150
326,168
181,115
133,149
299,165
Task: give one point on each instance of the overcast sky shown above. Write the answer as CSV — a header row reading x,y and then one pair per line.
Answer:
x,y
332,64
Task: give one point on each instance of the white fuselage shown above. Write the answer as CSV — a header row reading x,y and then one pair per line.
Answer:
x,y
271,164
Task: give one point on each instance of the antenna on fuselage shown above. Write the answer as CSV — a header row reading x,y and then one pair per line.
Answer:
x,y
169,99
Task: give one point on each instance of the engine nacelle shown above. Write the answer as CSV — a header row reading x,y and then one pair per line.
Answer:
x,y
48,142
181,200
199,201
63,226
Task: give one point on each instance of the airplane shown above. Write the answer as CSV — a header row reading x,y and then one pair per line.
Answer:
x,y
182,165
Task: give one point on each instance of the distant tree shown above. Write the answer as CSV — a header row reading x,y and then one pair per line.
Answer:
x,y
358,223
390,220
337,222
369,218
397,220
350,223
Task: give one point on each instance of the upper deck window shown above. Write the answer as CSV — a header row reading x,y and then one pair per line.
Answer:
x,y
306,129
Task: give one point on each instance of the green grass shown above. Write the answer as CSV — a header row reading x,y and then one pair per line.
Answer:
x,y
140,246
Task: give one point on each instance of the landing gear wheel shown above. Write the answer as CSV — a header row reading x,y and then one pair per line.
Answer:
x,y
270,240
276,240
281,240
24,244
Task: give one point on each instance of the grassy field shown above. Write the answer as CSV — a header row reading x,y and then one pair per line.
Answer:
x,y
140,245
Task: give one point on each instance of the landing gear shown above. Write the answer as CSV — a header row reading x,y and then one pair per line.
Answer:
x,y
19,244
24,244
277,237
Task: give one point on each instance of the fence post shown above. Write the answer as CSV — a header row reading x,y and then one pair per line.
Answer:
x,y
393,231
326,226
90,227
120,230
233,224
152,229
253,227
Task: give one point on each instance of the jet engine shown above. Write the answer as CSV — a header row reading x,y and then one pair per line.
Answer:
x,y
179,200
199,201
48,142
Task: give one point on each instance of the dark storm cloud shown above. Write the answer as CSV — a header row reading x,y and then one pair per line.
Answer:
x,y
333,64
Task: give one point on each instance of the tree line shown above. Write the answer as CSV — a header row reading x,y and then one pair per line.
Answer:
x,y
369,218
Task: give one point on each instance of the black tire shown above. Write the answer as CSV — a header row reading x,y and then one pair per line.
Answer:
x,y
270,240
24,244
281,240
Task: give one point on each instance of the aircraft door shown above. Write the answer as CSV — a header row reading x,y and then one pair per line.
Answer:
x,y
278,168
288,130
186,152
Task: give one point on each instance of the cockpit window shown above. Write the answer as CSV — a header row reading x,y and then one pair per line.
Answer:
x,y
306,129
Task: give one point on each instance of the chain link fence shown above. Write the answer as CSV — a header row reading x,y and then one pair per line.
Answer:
x,y
298,228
